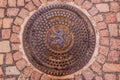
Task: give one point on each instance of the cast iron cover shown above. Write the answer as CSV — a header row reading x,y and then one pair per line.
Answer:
x,y
59,39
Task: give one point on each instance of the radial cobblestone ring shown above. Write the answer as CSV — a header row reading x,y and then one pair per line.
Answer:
x,y
59,39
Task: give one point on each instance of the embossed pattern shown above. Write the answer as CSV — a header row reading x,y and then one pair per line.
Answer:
x,y
59,39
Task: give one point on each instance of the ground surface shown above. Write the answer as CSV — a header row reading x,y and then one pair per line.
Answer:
x,y
106,14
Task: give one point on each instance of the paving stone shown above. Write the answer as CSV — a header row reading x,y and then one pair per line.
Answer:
x,y
103,50
6,33
118,17
104,33
7,22
108,0
114,6
35,75
10,79
111,67
12,3
21,77
1,58
79,2
4,46
27,0
110,77
16,29
113,28
3,3
96,1
96,67
20,3
98,78
9,59
119,77
23,13
103,7
88,74
12,70
1,78
101,59
15,46
37,2
110,17
2,13
101,25
114,56
21,64
1,71
93,11
17,55
119,30
12,11
104,41
87,5
1,21
45,1
27,71
115,43
30,6
18,21
0,35
14,38
98,18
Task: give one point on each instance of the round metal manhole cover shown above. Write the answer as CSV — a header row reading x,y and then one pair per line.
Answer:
x,y
59,39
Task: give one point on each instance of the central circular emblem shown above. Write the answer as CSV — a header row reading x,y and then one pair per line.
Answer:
x,y
59,39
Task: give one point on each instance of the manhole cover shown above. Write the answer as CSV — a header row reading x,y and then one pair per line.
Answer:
x,y
59,39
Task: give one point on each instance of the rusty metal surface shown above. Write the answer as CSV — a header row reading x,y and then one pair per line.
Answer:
x,y
59,39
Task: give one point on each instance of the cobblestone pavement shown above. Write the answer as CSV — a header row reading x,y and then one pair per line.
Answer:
x,y
105,13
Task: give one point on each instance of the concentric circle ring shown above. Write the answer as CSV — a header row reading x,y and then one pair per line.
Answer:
x,y
59,39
